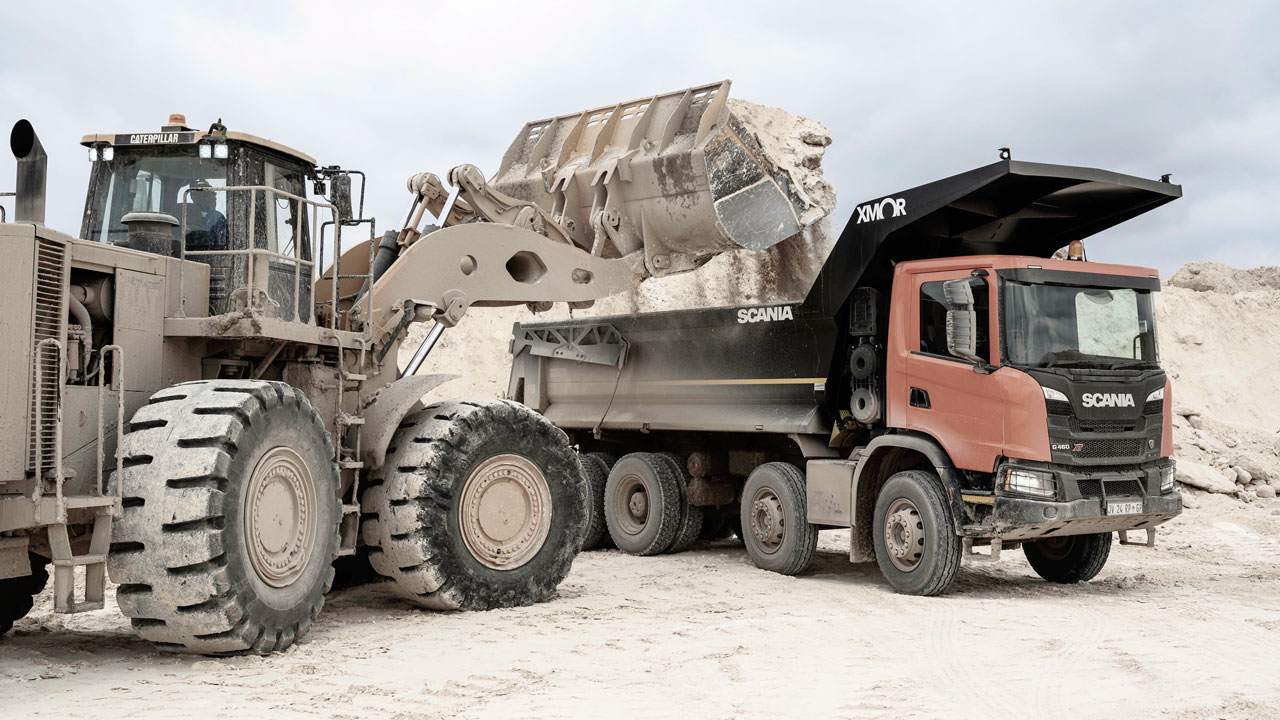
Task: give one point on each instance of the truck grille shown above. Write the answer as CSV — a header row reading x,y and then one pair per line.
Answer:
x,y
1121,448
1093,488
50,314
1107,426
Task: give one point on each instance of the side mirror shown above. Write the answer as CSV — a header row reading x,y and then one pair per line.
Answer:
x,y
962,320
340,196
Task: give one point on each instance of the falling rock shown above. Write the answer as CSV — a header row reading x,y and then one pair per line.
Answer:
x,y
1244,477
1195,421
1205,478
1266,491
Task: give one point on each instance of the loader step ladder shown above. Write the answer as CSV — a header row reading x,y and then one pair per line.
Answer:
x,y
104,506
347,447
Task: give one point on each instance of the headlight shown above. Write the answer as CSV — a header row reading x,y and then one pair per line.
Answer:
x,y
93,154
206,151
1166,478
1029,482
1051,394
220,151
1157,395
108,153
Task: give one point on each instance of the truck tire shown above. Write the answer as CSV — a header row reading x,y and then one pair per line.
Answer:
x,y
479,505
1069,558
596,466
691,516
642,504
231,516
774,517
915,541
17,595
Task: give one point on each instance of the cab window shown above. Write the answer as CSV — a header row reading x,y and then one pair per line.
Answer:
x,y
933,318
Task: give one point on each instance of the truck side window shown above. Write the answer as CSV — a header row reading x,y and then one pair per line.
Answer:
x,y
933,318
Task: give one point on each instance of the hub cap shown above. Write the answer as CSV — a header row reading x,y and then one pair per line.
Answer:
x,y
904,535
631,505
505,512
767,522
280,517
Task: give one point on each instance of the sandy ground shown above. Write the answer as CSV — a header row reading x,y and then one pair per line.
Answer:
x,y
1190,629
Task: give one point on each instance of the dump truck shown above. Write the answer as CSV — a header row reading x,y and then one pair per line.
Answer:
x,y
945,384
202,400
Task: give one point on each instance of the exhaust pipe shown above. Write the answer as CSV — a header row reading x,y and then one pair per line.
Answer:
x,y
28,204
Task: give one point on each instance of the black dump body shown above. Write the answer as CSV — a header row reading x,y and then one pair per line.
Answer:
x,y
780,356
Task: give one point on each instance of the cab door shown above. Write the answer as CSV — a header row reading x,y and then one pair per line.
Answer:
x,y
950,398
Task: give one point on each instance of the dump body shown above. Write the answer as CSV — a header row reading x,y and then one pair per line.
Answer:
x,y
864,377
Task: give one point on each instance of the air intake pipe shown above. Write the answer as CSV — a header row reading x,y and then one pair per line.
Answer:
x,y
32,165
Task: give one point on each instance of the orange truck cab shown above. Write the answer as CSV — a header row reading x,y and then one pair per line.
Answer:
x,y
945,384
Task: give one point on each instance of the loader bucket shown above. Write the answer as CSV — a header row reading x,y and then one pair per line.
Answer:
x,y
681,176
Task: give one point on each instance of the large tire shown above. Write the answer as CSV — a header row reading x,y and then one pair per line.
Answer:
x,y
17,595
643,504
914,535
1070,558
478,506
691,516
774,519
231,516
595,467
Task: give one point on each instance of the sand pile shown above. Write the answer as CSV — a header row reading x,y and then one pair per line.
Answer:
x,y
1218,329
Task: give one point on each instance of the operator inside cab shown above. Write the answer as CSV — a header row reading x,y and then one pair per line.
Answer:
x,y
206,225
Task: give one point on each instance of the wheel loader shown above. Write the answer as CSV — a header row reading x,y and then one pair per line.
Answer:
x,y
201,394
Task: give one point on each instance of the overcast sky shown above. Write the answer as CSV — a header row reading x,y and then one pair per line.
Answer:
x,y
912,92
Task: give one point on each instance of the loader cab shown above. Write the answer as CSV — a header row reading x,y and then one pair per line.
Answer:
x,y
176,180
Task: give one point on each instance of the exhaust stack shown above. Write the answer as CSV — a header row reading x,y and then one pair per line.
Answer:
x,y
32,165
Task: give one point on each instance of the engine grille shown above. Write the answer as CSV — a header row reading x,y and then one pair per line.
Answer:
x,y
1107,426
50,313
1120,448
1155,407
1093,488
1058,408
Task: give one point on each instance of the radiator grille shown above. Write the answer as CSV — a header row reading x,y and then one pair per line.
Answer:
x,y
1111,448
1106,426
1059,408
1154,407
1115,488
50,314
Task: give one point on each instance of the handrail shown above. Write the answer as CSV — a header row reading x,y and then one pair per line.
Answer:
x,y
251,252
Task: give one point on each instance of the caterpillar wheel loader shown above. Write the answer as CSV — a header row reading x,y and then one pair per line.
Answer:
x,y
201,396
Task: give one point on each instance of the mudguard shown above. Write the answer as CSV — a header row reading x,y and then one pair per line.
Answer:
x,y
392,403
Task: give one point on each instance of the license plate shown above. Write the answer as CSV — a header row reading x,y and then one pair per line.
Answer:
x,y
1124,508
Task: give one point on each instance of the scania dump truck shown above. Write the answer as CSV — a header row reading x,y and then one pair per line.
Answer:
x,y
192,402
945,384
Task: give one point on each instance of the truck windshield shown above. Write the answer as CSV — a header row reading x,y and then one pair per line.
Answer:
x,y
1049,325
154,180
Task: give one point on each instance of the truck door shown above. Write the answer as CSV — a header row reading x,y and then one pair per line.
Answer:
x,y
946,397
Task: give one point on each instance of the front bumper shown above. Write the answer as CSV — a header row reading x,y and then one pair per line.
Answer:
x,y
1081,506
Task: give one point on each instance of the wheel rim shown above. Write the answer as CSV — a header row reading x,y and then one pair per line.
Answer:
x,y
768,525
1055,548
505,513
631,505
280,517
904,535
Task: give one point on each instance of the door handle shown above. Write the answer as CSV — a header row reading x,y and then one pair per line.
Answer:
x,y
920,398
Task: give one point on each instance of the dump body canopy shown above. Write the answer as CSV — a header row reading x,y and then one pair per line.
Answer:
x,y
1005,208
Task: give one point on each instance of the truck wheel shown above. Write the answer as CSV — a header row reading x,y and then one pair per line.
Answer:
x,y
775,525
691,516
916,546
478,506
231,517
17,595
596,466
1070,558
642,504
